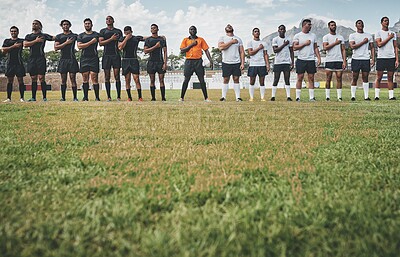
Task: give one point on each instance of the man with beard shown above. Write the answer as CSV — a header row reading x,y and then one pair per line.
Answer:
x,y
36,42
259,63
130,64
15,67
232,50
156,46
333,44
388,57
306,43
284,61
193,46
67,64
109,38
362,59
89,63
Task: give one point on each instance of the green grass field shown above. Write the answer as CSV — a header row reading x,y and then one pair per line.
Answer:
x,y
200,179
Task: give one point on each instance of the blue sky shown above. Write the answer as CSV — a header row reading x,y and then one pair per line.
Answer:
x,y
174,17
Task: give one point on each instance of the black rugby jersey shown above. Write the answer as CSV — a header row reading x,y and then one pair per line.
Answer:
x,y
14,56
157,54
131,47
112,47
68,51
90,51
37,50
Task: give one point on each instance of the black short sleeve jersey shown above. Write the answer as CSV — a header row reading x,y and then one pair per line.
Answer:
x,y
37,50
68,51
112,47
14,56
90,51
157,54
131,47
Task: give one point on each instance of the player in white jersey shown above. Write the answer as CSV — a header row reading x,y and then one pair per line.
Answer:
x,y
362,59
232,50
284,60
306,43
388,57
259,64
333,44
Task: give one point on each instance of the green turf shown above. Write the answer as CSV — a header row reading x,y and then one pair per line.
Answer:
x,y
200,179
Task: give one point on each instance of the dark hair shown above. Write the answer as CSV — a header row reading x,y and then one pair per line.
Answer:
x,y
155,25
255,29
61,23
128,28
109,16
384,18
305,21
282,26
329,23
87,19
358,21
40,24
14,27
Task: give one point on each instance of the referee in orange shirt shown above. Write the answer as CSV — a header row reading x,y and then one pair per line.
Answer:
x,y
193,46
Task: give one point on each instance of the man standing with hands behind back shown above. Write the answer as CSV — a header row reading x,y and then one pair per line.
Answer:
x,y
192,46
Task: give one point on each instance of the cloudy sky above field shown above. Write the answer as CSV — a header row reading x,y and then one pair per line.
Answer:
x,y
174,17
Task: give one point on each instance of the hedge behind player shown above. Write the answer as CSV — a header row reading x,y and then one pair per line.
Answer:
x,y
67,63
36,42
15,67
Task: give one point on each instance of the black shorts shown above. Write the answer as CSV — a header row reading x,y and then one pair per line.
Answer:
x,y
130,65
303,66
67,65
281,68
15,70
383,64
89,64
334,66
360,65
155,67
261,71
194,65
36,66
111,60
231,70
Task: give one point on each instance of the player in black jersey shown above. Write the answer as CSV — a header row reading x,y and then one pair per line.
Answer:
x,y
15,68
130,64
67,64
156,46
109,38
89,63
36,42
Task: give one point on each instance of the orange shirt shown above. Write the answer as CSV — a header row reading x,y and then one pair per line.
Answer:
x,y
194,52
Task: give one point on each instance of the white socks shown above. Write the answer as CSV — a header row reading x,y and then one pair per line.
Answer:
x,y
377,91
311,93
225,88
353,91
287,87
274,91
262,91
298,93
366,89
251,91
339,93
327,93
236,87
